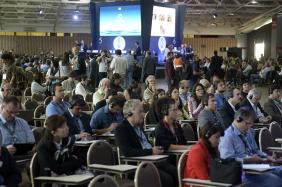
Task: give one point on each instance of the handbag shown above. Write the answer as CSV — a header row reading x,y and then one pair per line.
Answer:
x,y
226,171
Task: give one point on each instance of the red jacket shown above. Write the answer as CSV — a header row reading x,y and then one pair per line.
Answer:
x,y
198,162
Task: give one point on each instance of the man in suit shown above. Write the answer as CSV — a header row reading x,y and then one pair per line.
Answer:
x,y
137,51
252,102
149,65
132,141
77,121
230,107
273,106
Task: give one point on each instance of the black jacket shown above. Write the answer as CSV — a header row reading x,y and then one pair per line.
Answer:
x,y
215,66
73,126
8,170
165,138
128,141
65,163
273,110
227,114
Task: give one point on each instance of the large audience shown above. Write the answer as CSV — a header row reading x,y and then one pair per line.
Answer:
x,y
98,94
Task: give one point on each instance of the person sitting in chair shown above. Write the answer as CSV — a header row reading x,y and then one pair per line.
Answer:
x,y
132,141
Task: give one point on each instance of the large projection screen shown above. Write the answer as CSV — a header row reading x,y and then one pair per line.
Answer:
x,y
163,21
122,20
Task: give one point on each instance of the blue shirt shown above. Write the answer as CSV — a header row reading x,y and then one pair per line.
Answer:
x,y
232,144
54,108
15,132
142,138
103,118
219,98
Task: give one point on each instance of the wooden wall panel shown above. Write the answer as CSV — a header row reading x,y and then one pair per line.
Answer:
x,y
206,46
37,44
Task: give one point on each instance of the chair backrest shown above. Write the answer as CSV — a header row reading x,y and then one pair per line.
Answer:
x,y
181,166
89,97
103,181
27,92
34,169
100,152
275,130
147,175
37,97
266,140
38,133
198,130
146,120
188,132
48,100
73,92
39,111
119,156
30,104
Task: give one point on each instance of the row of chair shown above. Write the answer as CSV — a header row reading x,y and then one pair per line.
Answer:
x,y
101,152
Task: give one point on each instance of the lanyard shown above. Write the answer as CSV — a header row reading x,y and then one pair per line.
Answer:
x,y
246,143
11,131
247,147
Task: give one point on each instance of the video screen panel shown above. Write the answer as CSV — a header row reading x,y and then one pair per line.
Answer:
x,y
163,21
120,20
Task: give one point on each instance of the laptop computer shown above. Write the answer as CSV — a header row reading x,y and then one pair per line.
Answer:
x,y
23,149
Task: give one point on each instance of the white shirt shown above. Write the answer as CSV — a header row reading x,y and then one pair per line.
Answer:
x,y
259,114
233,107
58,74
264,72
247,69
80,90
37,88
63,69
119,65
103,65
74,62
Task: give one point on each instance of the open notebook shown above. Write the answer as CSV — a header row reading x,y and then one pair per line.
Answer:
x,y
257,167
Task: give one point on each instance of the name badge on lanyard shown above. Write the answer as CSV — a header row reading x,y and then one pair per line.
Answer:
x,y
4,77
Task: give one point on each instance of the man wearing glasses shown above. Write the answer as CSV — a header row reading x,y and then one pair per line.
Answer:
x,y
238,143
14,130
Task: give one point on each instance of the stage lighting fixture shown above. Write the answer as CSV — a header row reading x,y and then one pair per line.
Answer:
x,y
214,16
41,11
254,2
75,17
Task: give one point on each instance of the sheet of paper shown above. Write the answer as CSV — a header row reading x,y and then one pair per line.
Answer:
x,y
257,167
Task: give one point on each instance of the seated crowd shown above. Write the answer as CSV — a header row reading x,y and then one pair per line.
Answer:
x,y
204,92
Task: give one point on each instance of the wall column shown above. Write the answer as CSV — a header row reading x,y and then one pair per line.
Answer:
x,y
242,43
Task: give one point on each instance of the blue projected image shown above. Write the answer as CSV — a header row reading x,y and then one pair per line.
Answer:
x,y
120,20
